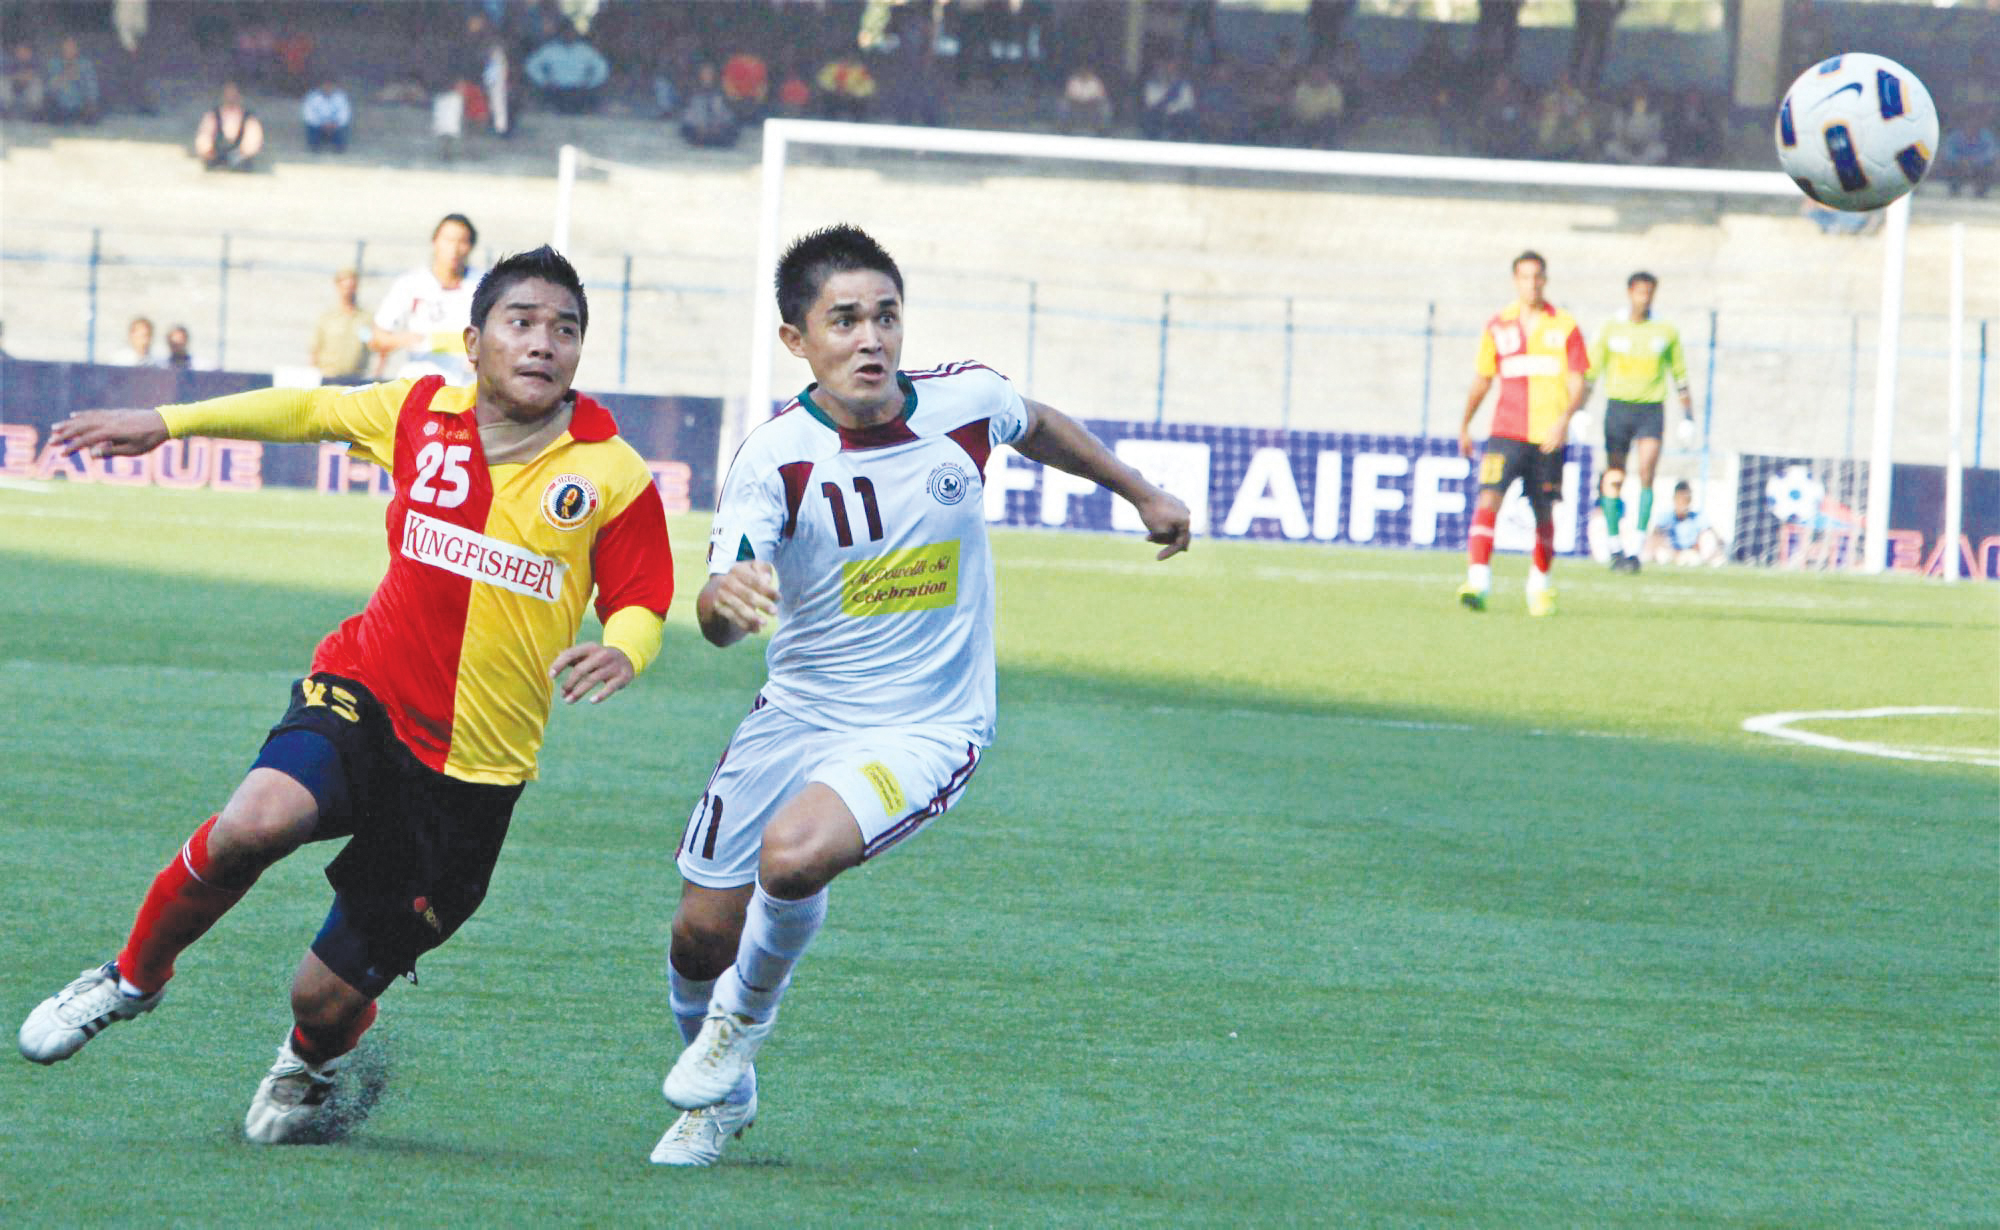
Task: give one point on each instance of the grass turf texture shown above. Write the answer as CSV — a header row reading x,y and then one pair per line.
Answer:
x,y
1291,893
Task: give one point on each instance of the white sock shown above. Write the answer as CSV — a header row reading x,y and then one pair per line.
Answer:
x,y
776,934
128,990
1537,580
1479,576
689,1000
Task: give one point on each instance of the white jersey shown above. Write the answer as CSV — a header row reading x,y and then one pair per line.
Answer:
x,y
418,303
885,583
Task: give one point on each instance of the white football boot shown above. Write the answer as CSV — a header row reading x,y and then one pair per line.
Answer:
x,y
62,1023
697,1137
291,1098
716,1061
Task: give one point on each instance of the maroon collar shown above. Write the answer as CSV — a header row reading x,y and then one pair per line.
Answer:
x,y
590,422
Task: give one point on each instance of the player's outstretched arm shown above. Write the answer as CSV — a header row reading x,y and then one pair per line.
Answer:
x,y
110,433
736,603
1055,439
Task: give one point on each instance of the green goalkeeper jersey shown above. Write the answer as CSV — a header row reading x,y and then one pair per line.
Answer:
x,y
1633,358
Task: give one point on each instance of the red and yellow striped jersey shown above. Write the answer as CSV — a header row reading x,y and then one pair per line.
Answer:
x,y
1533,359
489,565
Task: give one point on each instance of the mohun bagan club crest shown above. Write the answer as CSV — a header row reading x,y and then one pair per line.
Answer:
x,y
568,501
948,483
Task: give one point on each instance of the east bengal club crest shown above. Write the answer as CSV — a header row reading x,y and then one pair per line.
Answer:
x,y
948,483
568,501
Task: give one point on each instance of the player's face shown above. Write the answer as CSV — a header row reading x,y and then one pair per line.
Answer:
x,y
1529,279
1682,502
527,353
141,336
450,247
853,340
1641,295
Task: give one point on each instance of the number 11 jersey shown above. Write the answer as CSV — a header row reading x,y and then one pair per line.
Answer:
x,y
878,537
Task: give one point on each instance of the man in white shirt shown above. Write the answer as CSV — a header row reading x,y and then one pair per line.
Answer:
x,y
419,329
856,517
329,118
138,350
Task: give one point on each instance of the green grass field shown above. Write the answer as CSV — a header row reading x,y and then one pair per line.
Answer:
x,y
1291,894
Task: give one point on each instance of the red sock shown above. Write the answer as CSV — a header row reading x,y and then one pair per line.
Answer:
x,y
316,1046
1481,539
1545,545
180,907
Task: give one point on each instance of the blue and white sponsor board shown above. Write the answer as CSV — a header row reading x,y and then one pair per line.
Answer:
x,y
1299,486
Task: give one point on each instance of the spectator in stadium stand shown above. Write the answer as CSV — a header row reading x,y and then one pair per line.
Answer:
x,y
846,88
178,354
569,73
1167,103
708,120
420,325
22,94
1969,154
328,115
1695,134
1638,134
138,350
72,96
230,136
1563,127
485,76
746,84
910,89
1685,537
1316,107
135,76
1085,103
1504,129
340,338
1226,115
795,93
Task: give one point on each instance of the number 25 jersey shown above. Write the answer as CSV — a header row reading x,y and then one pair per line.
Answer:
x,y
878,536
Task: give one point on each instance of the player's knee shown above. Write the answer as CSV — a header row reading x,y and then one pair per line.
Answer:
x,y
249,837
800,856
1612,482
702,944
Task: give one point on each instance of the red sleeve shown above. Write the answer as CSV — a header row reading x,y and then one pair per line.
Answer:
x,y
1579,354
632,560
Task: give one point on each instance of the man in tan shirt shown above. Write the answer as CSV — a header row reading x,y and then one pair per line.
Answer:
x,y
340,339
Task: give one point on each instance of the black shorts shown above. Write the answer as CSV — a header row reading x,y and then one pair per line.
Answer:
x,y
1541,473
1626,421
422,845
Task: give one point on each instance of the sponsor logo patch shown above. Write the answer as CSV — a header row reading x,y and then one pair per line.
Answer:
x,y
887,788
568,501
914,579
468,553
949,483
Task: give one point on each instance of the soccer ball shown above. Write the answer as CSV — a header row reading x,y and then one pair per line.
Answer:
x,y
1856,131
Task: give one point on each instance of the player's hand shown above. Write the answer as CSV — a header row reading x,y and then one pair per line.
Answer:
x,y
1686,430
1558,438
747,595
110,433
591,665
1465,445
1167,521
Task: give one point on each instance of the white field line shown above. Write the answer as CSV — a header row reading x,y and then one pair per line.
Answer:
x,y
1780,726
28,485
146,670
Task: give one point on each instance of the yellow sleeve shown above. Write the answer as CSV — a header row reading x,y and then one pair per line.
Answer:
x,y
635,631
1489,358
1597,354
364,417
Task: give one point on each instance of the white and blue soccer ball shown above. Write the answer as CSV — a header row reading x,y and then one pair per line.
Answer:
x,y
1857,131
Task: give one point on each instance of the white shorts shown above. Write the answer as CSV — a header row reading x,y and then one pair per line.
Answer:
x,y
895,779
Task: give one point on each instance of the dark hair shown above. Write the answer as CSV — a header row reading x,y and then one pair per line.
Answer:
x,y
1683,485
1641,276
471,231
818,255
1530,255
544,264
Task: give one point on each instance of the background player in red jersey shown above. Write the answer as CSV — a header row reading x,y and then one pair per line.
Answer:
x,y
422,717
1537,351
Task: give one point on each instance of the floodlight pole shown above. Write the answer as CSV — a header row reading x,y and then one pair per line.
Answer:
x,y
1895,240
